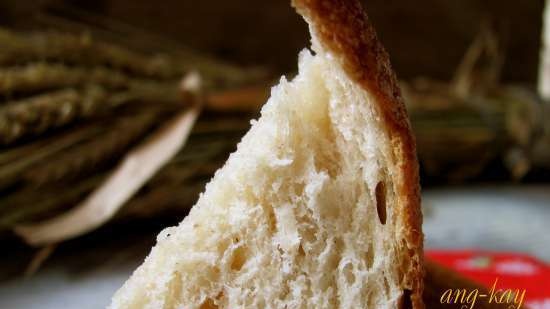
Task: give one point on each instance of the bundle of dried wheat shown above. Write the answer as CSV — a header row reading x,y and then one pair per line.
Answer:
x,y
74,111
464,125
86,124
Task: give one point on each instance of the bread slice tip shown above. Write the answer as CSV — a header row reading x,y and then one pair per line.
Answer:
x,y
319,205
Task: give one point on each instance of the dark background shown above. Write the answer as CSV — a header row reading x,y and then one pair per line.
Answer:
x,y
424,37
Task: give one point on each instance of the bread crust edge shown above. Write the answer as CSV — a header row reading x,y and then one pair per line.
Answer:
x,y
343,28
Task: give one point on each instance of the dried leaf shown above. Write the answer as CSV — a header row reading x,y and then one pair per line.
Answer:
x,y
135,170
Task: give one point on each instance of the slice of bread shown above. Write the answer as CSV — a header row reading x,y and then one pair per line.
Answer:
x,y
318,207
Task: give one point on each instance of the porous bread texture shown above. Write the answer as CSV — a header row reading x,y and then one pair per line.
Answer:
x,y
291,220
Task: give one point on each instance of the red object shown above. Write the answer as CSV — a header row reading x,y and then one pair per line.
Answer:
x,y
509,271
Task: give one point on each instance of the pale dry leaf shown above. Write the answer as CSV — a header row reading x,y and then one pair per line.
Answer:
x,y
136,169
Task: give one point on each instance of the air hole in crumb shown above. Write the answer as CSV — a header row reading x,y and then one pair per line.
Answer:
x,y
301,251
175,288
348,274
209,304
239,258
386,286
369,256
272,221
380,192
406,302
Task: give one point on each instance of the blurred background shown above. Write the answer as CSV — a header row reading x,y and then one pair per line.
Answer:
x,y
103,143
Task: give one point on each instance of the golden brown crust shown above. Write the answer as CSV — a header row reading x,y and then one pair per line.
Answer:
x,y
343,28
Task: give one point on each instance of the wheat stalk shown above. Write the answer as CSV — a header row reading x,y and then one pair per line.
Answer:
x,y
39,113
82,49
29,204
42,75
90,155
15,160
